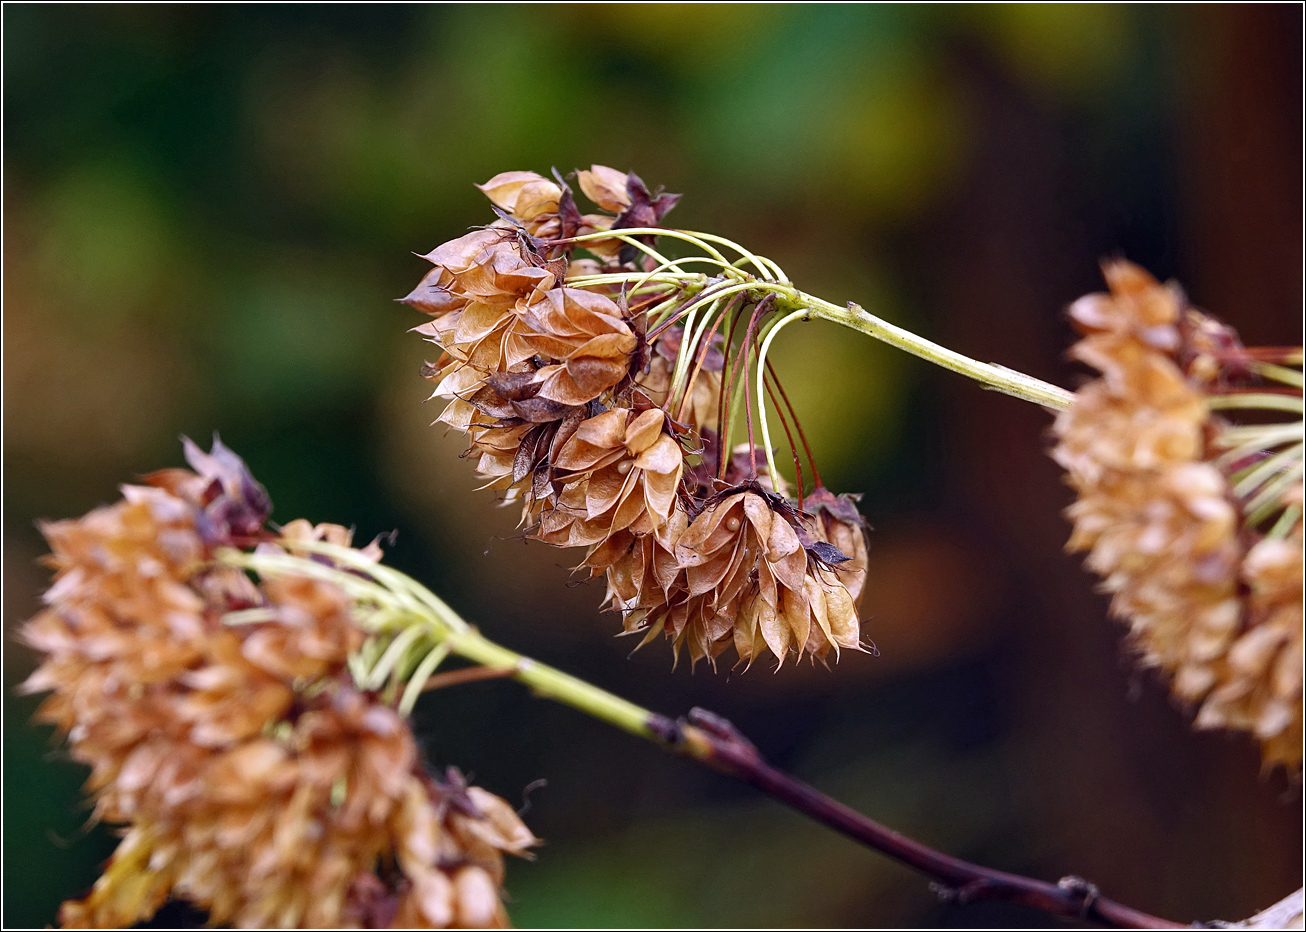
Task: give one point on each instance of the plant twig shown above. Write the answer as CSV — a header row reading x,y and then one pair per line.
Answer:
x,y
702,736
854,316
715,742
466,675
999,378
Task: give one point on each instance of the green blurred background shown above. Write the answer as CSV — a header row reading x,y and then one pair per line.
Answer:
x,y
209,208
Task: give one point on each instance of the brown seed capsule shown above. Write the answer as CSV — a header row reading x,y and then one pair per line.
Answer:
x,y
587,336
747,560
605,187
1258,686
525,195
599,498
839,524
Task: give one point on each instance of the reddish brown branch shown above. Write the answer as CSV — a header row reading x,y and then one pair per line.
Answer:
x,y
467,675
715,742
1284,355
793,415
793,449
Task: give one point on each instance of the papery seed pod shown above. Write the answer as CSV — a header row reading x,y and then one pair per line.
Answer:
x,y
643,208
623,194
1258,687
587,336
525,195
605,187
452,854
1162,522
1210,352
609,250
540,208
619,471
839,524
746,557
484,267
641,569
478,283
231,502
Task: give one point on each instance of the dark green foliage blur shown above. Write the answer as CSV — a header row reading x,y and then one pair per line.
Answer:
x,y
207,212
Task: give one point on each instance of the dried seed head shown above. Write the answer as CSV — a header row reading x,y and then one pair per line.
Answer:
x,y
255,779
1164,524
583,403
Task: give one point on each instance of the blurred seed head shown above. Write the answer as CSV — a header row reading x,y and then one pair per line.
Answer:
x,y
252,776
1169,523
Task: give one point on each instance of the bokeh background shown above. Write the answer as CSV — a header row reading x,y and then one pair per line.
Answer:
x,y
207,212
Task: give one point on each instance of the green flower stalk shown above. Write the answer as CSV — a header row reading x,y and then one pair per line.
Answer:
x,y
613,376
411,631
388,605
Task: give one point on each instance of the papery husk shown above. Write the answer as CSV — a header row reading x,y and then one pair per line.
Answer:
x,y
619,471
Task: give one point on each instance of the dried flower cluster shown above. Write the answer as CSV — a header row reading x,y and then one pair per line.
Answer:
x,y
600,392
254,778
1172,500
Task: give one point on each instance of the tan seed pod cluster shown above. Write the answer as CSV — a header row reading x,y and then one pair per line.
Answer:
x,y
1208,599
603,422
1258,687
253,778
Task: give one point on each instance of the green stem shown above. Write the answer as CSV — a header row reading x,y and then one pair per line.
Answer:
x,y
991,375
1291,515
1262,401
688,338
554,684
761,398
392,592
1279,373
998,378
1262,471
704,737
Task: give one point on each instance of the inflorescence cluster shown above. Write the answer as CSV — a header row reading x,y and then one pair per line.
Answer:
x,y
225,729
614,396
1193,521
